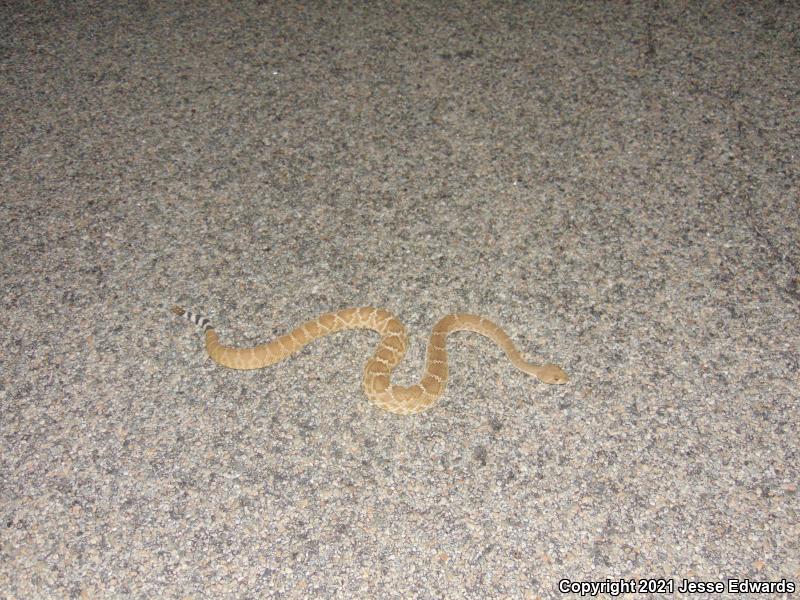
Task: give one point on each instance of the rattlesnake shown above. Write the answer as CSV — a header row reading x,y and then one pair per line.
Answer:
x,y
377,373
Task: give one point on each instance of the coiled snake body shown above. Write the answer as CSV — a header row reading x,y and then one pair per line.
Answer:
x,y
397,399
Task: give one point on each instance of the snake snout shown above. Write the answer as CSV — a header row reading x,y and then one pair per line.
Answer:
x,y
553,374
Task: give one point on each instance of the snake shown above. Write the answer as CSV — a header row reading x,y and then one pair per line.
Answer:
x,y
398,399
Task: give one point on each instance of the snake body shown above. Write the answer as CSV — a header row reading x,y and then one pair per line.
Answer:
x,y
377,384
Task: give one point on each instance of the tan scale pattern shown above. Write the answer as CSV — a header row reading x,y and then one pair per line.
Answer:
x,y
399,399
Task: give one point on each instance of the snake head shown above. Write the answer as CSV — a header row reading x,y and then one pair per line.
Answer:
x,y
552,374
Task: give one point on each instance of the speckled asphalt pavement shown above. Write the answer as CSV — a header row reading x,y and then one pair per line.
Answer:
x,y
616,184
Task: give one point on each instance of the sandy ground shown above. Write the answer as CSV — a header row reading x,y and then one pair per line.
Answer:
x,y
617,185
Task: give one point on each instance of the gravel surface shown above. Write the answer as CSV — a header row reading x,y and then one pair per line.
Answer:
x,y
617,185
